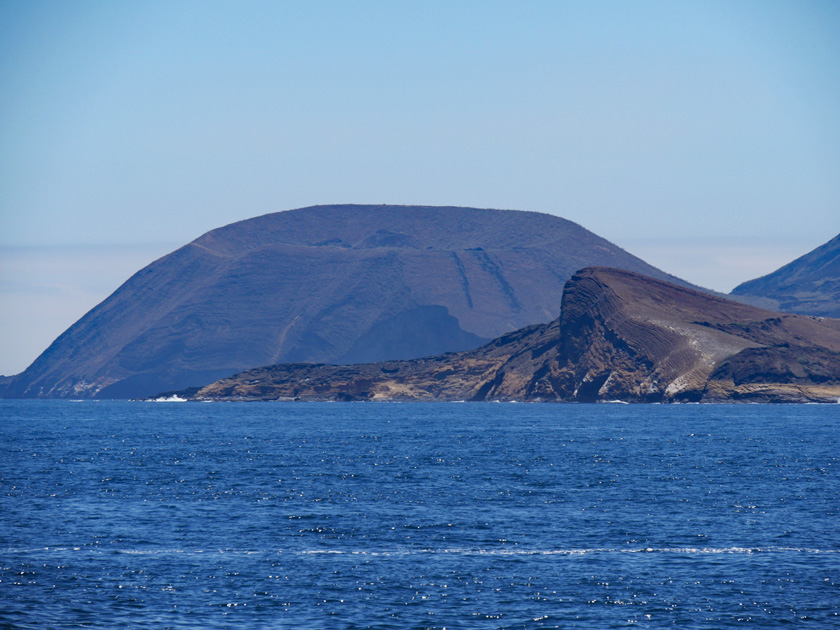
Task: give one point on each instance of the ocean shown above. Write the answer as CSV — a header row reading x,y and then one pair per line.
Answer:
x,y
385,515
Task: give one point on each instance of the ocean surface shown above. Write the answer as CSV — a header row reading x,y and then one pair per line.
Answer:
x,y
365,515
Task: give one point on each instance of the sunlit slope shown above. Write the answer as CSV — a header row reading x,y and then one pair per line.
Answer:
x,y
621,336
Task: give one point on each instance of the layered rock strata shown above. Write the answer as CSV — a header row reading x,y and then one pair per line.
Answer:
x,y
621,336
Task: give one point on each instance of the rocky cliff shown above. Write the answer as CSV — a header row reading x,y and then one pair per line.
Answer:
x,y
329,284
809,285
621,336
633,338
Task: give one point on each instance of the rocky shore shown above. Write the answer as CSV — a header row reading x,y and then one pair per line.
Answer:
x,y
621,336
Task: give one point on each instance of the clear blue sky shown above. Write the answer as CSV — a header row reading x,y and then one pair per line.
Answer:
x,y
702,136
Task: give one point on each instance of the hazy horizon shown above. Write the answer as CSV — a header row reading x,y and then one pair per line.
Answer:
x,y
703,137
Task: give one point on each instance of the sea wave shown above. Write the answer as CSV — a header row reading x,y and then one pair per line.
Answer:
x,y
445,550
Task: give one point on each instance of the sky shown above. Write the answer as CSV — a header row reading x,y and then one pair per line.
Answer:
x,y
702,136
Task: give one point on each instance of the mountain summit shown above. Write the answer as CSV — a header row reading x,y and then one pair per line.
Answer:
x,y
326,284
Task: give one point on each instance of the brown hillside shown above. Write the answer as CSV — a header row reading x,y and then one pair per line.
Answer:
x,y
621,336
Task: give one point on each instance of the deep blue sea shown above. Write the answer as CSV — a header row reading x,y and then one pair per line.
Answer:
x,y
366,515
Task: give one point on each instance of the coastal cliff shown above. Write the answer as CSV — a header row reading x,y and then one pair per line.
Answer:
x,y
621,336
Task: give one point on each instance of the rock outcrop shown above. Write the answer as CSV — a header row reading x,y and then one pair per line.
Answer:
x,y
621,336
328,284
810,285
633,338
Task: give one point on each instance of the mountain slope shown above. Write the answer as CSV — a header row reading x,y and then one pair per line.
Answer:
x,y
809,285
620,336
332,284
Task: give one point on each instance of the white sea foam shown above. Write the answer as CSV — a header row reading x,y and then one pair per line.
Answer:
x,y
452,550
583,551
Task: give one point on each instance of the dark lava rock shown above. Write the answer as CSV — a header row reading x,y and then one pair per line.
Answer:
x,y
621,336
